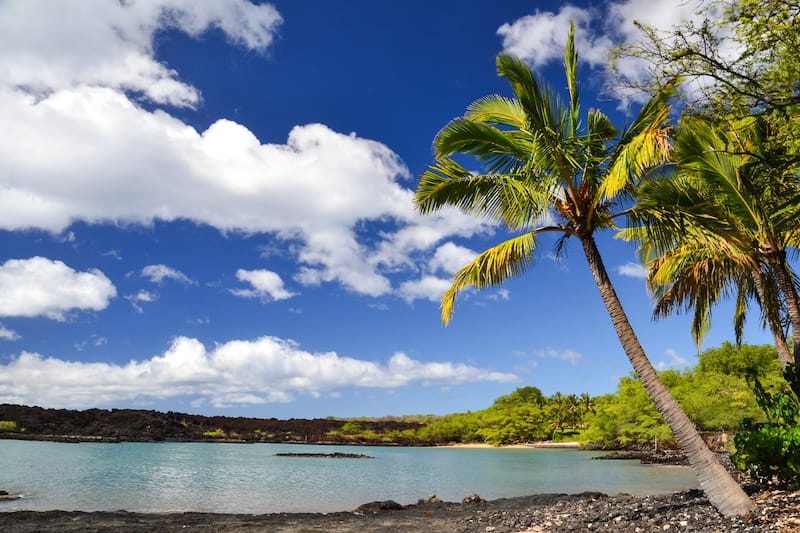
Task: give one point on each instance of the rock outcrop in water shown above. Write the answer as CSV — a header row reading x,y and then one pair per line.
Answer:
x,y
335,455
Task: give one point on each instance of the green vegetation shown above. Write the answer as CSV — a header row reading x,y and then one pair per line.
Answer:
x,y
715,394
8,425
770,450
214,434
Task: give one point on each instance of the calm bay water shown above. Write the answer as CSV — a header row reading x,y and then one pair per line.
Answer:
x,y
248,478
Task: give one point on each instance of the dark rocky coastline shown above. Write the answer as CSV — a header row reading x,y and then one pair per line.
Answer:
x,y
137,425
686,511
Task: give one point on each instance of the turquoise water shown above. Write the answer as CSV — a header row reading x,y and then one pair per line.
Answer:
x,y
248,478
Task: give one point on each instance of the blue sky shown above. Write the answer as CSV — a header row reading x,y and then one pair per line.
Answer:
x,y
206,207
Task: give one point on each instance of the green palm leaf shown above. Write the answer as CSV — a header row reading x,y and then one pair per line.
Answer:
x,y
506,198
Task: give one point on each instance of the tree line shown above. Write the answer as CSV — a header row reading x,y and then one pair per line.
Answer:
x,y
716,394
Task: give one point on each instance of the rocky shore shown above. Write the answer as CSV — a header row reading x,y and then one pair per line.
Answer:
x,y
687,511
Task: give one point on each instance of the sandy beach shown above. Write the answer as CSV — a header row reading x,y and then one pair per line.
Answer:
x,y
687,511
525,445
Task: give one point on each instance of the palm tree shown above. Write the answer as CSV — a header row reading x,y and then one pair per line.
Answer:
x,y
721,224
538,157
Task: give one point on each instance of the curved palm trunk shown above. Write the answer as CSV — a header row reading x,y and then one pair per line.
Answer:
x,y
792,305
720,488
777,332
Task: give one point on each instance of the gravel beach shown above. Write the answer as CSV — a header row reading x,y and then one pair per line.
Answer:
x,y
777,511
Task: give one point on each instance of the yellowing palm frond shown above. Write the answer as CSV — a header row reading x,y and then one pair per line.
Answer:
x,y
648,148
497,109
492,267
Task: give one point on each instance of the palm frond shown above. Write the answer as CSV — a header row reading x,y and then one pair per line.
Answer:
x,y
571,69
490,268
495,148
495,109
545,113
648,148
502,197
649,112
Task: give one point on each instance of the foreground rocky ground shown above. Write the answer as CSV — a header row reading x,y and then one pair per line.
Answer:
x,y
777,511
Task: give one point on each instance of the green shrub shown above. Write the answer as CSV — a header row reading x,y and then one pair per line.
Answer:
x,y
8,425
351,428
215,434
770,451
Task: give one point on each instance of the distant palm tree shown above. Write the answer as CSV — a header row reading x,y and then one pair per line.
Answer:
x,y
721,224
539,159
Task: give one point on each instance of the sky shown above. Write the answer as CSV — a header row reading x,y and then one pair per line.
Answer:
x,y
206,207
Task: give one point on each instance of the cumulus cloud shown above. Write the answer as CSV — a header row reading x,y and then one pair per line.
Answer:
x,y
450,257
428,288
43,287
632,270
134,165
265,284
158,273
539,38
264,370
47,47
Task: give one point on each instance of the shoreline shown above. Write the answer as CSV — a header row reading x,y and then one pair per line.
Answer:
x,y
685,511
545,444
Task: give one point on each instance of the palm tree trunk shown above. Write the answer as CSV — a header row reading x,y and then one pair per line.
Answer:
x,y
720,488
777,332
792,306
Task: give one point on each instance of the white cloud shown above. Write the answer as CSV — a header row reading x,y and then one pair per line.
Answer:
x,y
43,287
268,369
539,38
158,273
450,257
676,361
47,46
426,288
8,334
632,270
265,284
141,297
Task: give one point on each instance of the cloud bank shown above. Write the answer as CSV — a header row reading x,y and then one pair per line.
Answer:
x,y
238,372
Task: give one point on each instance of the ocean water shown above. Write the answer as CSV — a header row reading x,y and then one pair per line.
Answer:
x,y
249,478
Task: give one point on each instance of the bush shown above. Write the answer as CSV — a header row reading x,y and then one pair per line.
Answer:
x,y
216,434
770,451
8,425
